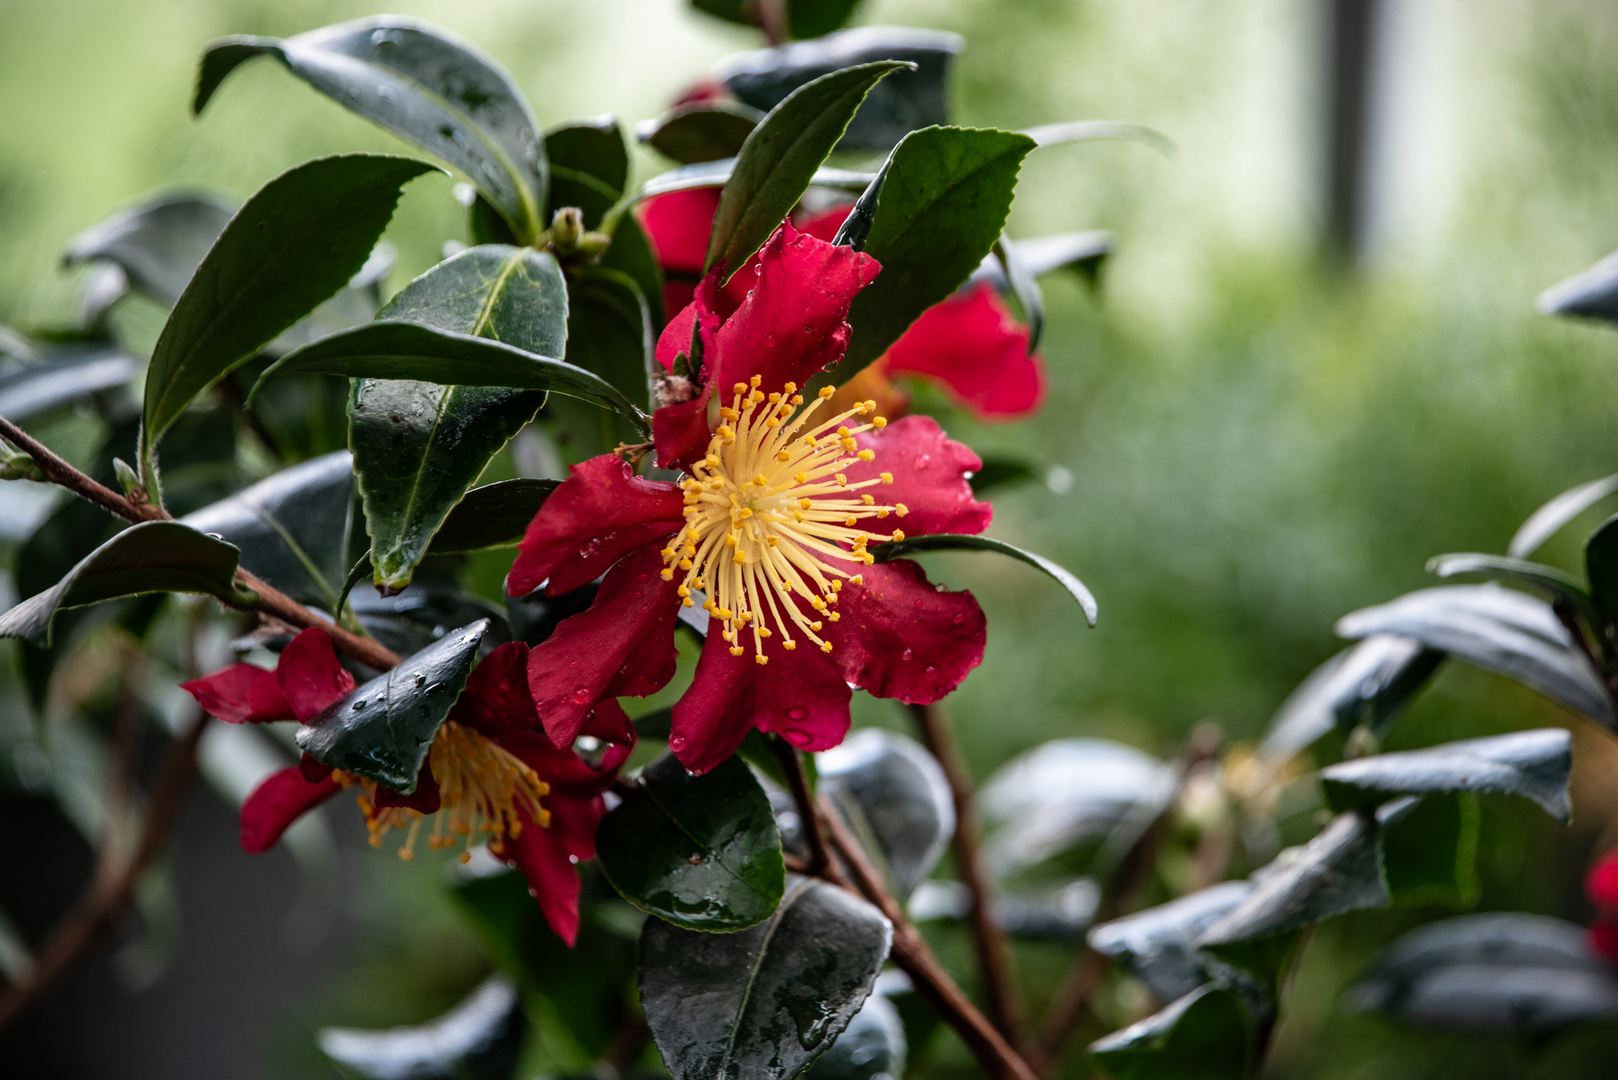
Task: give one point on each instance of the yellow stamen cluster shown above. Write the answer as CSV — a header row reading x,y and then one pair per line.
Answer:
x,y
483,790
766,508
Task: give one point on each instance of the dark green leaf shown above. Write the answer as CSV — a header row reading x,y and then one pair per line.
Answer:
x,y
1369,683
158,245
1499,972
631,254
154,556
699,851
428,88
1083,251
610,333
768,1000
1020,278
1498,630
779,158
483,222
1205,1035
1157,945
701,131
1601,566
872,1047
1086,130
1545,578
66,376
479,1039
1002,471
495,515
1429,854
856,227
296,242
1338,871
1592,293
898,106
942,205
1532,764
818,18
716,174
895,798
960,542
383,729
589,166
735,11
292,528
1543,523
420,615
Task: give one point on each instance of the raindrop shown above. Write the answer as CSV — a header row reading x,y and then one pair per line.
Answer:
x,y
589,547
581,696
930,670
797,712
922,461
769,340
360,704
799,738
907,654
959,618
677,743
918,603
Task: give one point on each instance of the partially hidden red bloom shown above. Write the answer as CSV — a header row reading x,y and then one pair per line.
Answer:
x,y
970,343
769,531
1601,886
491,771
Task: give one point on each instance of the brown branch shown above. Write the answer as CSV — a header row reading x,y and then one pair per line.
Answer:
x,y
913,956
1002,998
110,895
799,784
271,601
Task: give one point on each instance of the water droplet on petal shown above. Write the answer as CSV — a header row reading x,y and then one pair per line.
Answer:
x,y
581,696
922,461
797,712
589,548
769,340
957,620
907,654
677,743
799,738
918,603
930,670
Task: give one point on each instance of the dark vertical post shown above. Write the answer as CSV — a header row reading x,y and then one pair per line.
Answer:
x,y
1350,46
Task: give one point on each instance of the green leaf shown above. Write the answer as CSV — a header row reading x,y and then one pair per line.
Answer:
x,y
1082,251
1370,683
292,528
296,242
1429,855
430,89
157,245
816,18
495,515
895,798
768,1000
610,333
630,253
383,729
1205,1035
717,174
1158,945
66,376
1087,130
1543,523
872,1047
1534,765
701,852
1601,566
480,1038
1004,471
1592,293
154,556
1546,578
589,166
960,542
411,620
701,131
1020,277
943,200
779,159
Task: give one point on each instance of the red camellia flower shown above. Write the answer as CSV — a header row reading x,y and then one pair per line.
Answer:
x,y
491,771
970,342
1601,886
769,531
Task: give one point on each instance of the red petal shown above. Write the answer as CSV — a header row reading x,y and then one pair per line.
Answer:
x,y
241,694
1601,884
622,646
309,674
794,322
972,345
279,800
496,699
423,800
600,512
900,637
929,477
312,768
798,694
545,857
1604,938
678,225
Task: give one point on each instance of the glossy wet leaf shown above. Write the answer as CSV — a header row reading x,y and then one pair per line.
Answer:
x,y
430,89
766,1001
1506,632
157,245
1369,683
701,131
420,615
383,729
1499,972
1081,251
494,515
64,377
1430,852
1158,945
1004,471
479,1039
701,852
959,542
779,158
154,556
942,203
872,1047
1592,293
1534,765
1601,566
1545,522
1336,872
611,334
292,528
589,166
895,798
907,101
1205,1035
1071,131
1546,579
1020,279
295,243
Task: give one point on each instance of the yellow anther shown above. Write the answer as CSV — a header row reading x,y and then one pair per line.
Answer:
x,y
836,586
774,399
806,503
796,399
709,605
688,602
842,479
685,564
789,644
740,558
764,631
791,388
834,616
761,480
879,422
901,509
785,455
816,625
817,603
728,413
866,455
851,520
825,646
857,579
668,573
739,388
773,541
867,498
802,478
724,431
761,658
843,433
747,511
736,650
730,541
724,613
827,391
712,461
756,379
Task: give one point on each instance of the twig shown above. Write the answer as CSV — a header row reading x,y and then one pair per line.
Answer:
x,y
793,767
109,897
1002,998
271,601
913,956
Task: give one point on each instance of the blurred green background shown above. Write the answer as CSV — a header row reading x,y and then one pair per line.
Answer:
x,y
1251,439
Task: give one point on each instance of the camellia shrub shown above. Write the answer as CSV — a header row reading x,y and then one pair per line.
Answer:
x,y
570,556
